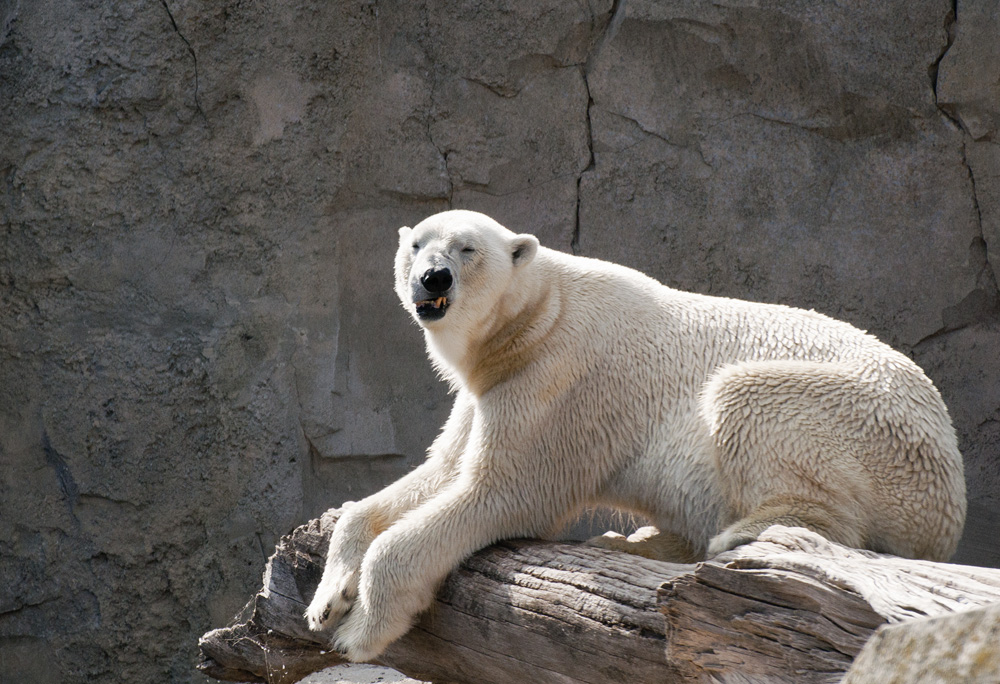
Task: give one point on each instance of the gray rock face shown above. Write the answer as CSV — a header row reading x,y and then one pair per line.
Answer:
x,y
199,342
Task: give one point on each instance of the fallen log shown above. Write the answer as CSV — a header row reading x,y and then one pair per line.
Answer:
x,y
792,607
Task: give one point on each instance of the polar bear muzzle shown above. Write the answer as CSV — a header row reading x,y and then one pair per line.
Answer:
x,y
436,281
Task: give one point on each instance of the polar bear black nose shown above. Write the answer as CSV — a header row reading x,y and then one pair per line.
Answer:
x,y
436,280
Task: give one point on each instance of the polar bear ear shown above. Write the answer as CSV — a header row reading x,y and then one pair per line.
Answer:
x,y
404,232
523,249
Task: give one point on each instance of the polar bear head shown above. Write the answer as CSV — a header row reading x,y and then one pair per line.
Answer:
x,y
454,270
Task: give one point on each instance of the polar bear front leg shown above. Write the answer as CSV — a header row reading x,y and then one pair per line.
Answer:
x,y
336,591
363,522
359,525
404,566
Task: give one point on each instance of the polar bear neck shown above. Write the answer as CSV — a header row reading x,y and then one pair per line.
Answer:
x,y
481,356
512,342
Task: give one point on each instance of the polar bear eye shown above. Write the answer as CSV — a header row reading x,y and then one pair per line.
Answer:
x,y
468,250
416,247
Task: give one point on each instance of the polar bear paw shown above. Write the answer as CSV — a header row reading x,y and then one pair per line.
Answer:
x,y
728,540
649,542
365,632
355,641
333,599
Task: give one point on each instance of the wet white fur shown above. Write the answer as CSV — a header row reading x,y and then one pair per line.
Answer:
x,y
581,382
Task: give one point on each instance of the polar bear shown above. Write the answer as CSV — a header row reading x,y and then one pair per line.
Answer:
x,y
580,382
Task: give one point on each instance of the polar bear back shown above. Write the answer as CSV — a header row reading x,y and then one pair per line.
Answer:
x,y
705,370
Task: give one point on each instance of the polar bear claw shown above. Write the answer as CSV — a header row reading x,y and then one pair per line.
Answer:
x,y
332,601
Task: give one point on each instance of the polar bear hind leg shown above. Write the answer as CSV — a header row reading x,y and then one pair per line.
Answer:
x,y
825,446
789,511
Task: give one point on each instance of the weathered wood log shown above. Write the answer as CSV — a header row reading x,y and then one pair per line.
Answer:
x,y
795,607
518,611
790,608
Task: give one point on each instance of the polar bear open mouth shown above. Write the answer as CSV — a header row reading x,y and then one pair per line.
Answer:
x,y
432,309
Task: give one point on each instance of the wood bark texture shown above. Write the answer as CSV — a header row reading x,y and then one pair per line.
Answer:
x,y
792,607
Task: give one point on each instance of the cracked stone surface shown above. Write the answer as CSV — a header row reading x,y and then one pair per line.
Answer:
x,y
968,91
199,343
950,649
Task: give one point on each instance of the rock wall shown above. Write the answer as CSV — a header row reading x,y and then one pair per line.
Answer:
x,y
199,342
